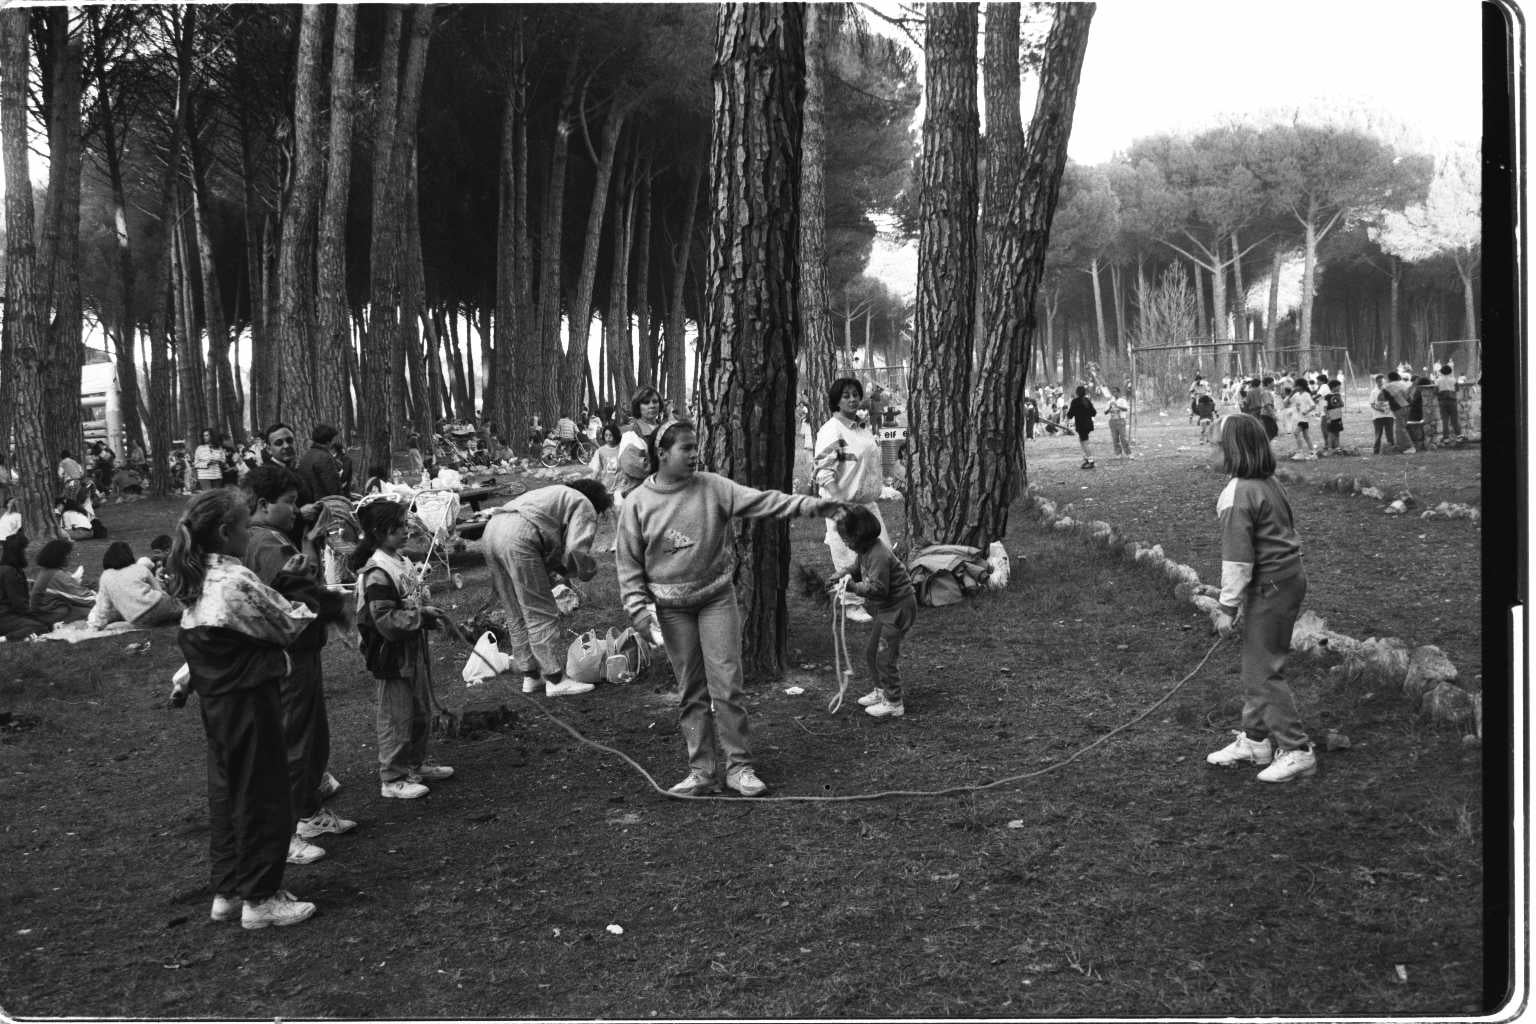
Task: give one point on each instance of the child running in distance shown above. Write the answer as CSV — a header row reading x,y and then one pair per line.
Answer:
x,y
1263,582
886,587
234,635
676,549
393,617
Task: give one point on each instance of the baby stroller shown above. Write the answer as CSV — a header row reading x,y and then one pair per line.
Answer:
x,y
435,515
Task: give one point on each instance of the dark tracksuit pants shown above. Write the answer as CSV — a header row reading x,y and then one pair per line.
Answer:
x,y
249,810
306,731
883,653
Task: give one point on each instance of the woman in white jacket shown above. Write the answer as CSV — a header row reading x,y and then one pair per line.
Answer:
x,y
848,468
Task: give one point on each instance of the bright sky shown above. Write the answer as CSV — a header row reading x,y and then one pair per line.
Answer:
x,y
1175,65
1155,65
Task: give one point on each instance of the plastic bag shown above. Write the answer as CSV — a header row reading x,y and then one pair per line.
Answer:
x,y
485,660
566,598
997,558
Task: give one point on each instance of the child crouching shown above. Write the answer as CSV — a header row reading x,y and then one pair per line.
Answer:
x,y
886,587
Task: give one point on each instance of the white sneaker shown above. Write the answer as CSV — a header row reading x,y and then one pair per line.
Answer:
x,y
532,684
1241,750
322,822
857,614
329,784
746,782
403,789
566,688
226,908
280,909
1290,764
301,852
874,696
696,784
430,773
885,709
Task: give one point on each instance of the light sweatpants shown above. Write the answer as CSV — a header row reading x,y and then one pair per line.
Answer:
x,y
1269,706
522,582
704,647
403,724
845,558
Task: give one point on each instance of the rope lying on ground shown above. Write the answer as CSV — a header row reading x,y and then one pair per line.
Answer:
x,y
883,794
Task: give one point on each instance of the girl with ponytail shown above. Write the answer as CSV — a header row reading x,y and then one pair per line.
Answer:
x,y
234,635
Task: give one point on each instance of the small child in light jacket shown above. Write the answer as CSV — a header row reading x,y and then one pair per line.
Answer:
x,y
886,587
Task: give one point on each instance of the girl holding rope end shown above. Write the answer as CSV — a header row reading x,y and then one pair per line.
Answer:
x,y
676,549
886,587
1263,582
393,617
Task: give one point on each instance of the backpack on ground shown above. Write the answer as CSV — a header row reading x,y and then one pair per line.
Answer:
x,y
612,657
943,574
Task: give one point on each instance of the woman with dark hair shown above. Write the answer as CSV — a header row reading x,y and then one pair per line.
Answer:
x,y
129,591
208,461
549,530
634,459
848,469
56,595
16,622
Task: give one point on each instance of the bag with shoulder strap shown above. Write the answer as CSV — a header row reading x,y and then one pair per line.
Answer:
x,y
611,657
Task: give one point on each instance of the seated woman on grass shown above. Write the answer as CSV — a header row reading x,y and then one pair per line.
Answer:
x,y
130,591
57,596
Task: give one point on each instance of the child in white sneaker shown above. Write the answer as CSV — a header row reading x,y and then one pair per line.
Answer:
x,y
1263,581
676,548
393,616
886,587
234,635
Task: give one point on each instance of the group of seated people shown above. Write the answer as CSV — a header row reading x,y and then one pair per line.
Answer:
x,y
130,589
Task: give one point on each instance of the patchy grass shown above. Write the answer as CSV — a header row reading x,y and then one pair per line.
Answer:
x,y
1134,882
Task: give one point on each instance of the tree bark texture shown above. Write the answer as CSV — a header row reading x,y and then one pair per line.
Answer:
x,y
510,383
218,380
296,255
25,308
1024,179
640,298
551,356
676,380
748,351
332,398
574,375
617,331
818,345
938,417
59,255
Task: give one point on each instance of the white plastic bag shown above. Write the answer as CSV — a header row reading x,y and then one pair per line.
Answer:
x,y
485,660
997,558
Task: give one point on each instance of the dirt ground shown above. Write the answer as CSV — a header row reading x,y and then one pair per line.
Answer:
x,y
1090,865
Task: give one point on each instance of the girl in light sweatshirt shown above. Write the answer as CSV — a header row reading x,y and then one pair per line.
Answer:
x,y
676,549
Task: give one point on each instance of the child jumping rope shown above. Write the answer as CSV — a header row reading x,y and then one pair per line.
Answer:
x,y
233,634
1263,582
886,587
392,619
676,548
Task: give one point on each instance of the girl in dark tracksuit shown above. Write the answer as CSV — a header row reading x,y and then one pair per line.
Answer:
x,y
1263,581
883,582
234,635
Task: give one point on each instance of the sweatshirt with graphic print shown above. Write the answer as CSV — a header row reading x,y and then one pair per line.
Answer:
x,y
675,545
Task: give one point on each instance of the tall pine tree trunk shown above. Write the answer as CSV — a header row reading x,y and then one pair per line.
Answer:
x,y
640,299
218,380
818,345
748,349
574,376
676,378
1272,326
547,338
1024,180
26,290
938,419
296,320
332,399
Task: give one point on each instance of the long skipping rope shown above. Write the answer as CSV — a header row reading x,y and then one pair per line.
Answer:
x,y
885,793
